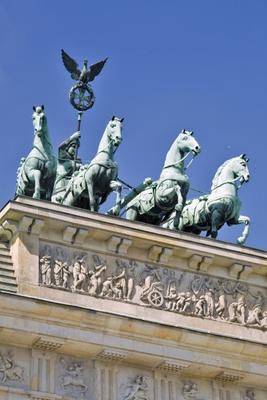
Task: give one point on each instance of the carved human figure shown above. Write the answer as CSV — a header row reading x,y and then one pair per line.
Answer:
x,y
147,285
9,370
237,310
107,287
116,286
220,305
73,376
130,290
151,281
210,304
65,275
190,390
130,275
241,309
138,390
58,272
79,275
171,296
180,301
46,270
254,316
187,302
95,279
121,284
200,306
76,271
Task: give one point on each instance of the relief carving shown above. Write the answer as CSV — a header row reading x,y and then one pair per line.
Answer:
x,y
112,278
152,290
249,395
73,381
138,390
190,391
95,279
46,270
237,310
9,370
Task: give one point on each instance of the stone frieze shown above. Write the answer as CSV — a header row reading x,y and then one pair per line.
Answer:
x,y
114,278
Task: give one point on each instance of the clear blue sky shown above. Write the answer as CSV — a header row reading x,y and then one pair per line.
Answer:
x,y
200,65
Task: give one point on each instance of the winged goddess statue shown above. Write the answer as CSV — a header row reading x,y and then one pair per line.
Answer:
x,y
81,95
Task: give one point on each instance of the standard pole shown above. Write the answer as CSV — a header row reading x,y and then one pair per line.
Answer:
x,y
80,113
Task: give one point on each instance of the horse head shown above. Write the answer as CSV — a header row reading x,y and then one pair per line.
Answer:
x,y
240,168
39,119
187,143
113,131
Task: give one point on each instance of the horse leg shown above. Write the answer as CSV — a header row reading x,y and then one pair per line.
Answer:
x,y
37,188
92,200
116,187
178,208
242,219
216,218
132,214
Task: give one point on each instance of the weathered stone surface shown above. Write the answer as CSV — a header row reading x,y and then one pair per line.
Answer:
x,y
154,314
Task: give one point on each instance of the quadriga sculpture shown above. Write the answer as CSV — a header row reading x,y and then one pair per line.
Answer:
x,y
210,212
36,174
170,191
90,186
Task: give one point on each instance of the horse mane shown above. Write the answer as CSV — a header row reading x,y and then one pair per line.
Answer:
x,y
218,173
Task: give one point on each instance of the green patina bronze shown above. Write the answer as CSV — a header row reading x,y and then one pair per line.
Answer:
x,y
67,165
163,202
81,95
170,191
210,212
90,186
36,173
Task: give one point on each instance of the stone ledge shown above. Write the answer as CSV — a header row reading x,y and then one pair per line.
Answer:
x,y
143,338
47,343
111,355
171,239
173,366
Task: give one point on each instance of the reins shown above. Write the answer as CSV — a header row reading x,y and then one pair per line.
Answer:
x,y
231,182
180,161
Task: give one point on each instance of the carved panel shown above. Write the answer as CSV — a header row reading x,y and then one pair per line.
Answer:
x,y
10,370
136,389
114,278
190,391
75,378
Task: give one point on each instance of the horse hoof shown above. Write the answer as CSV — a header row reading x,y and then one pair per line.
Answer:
x,y
240,241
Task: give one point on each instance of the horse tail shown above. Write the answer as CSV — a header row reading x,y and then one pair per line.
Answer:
x,y
21,177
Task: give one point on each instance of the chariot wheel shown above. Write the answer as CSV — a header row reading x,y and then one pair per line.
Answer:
x,y
82,97
155,298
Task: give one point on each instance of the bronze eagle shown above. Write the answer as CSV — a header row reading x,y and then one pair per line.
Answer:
x,y
85,75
